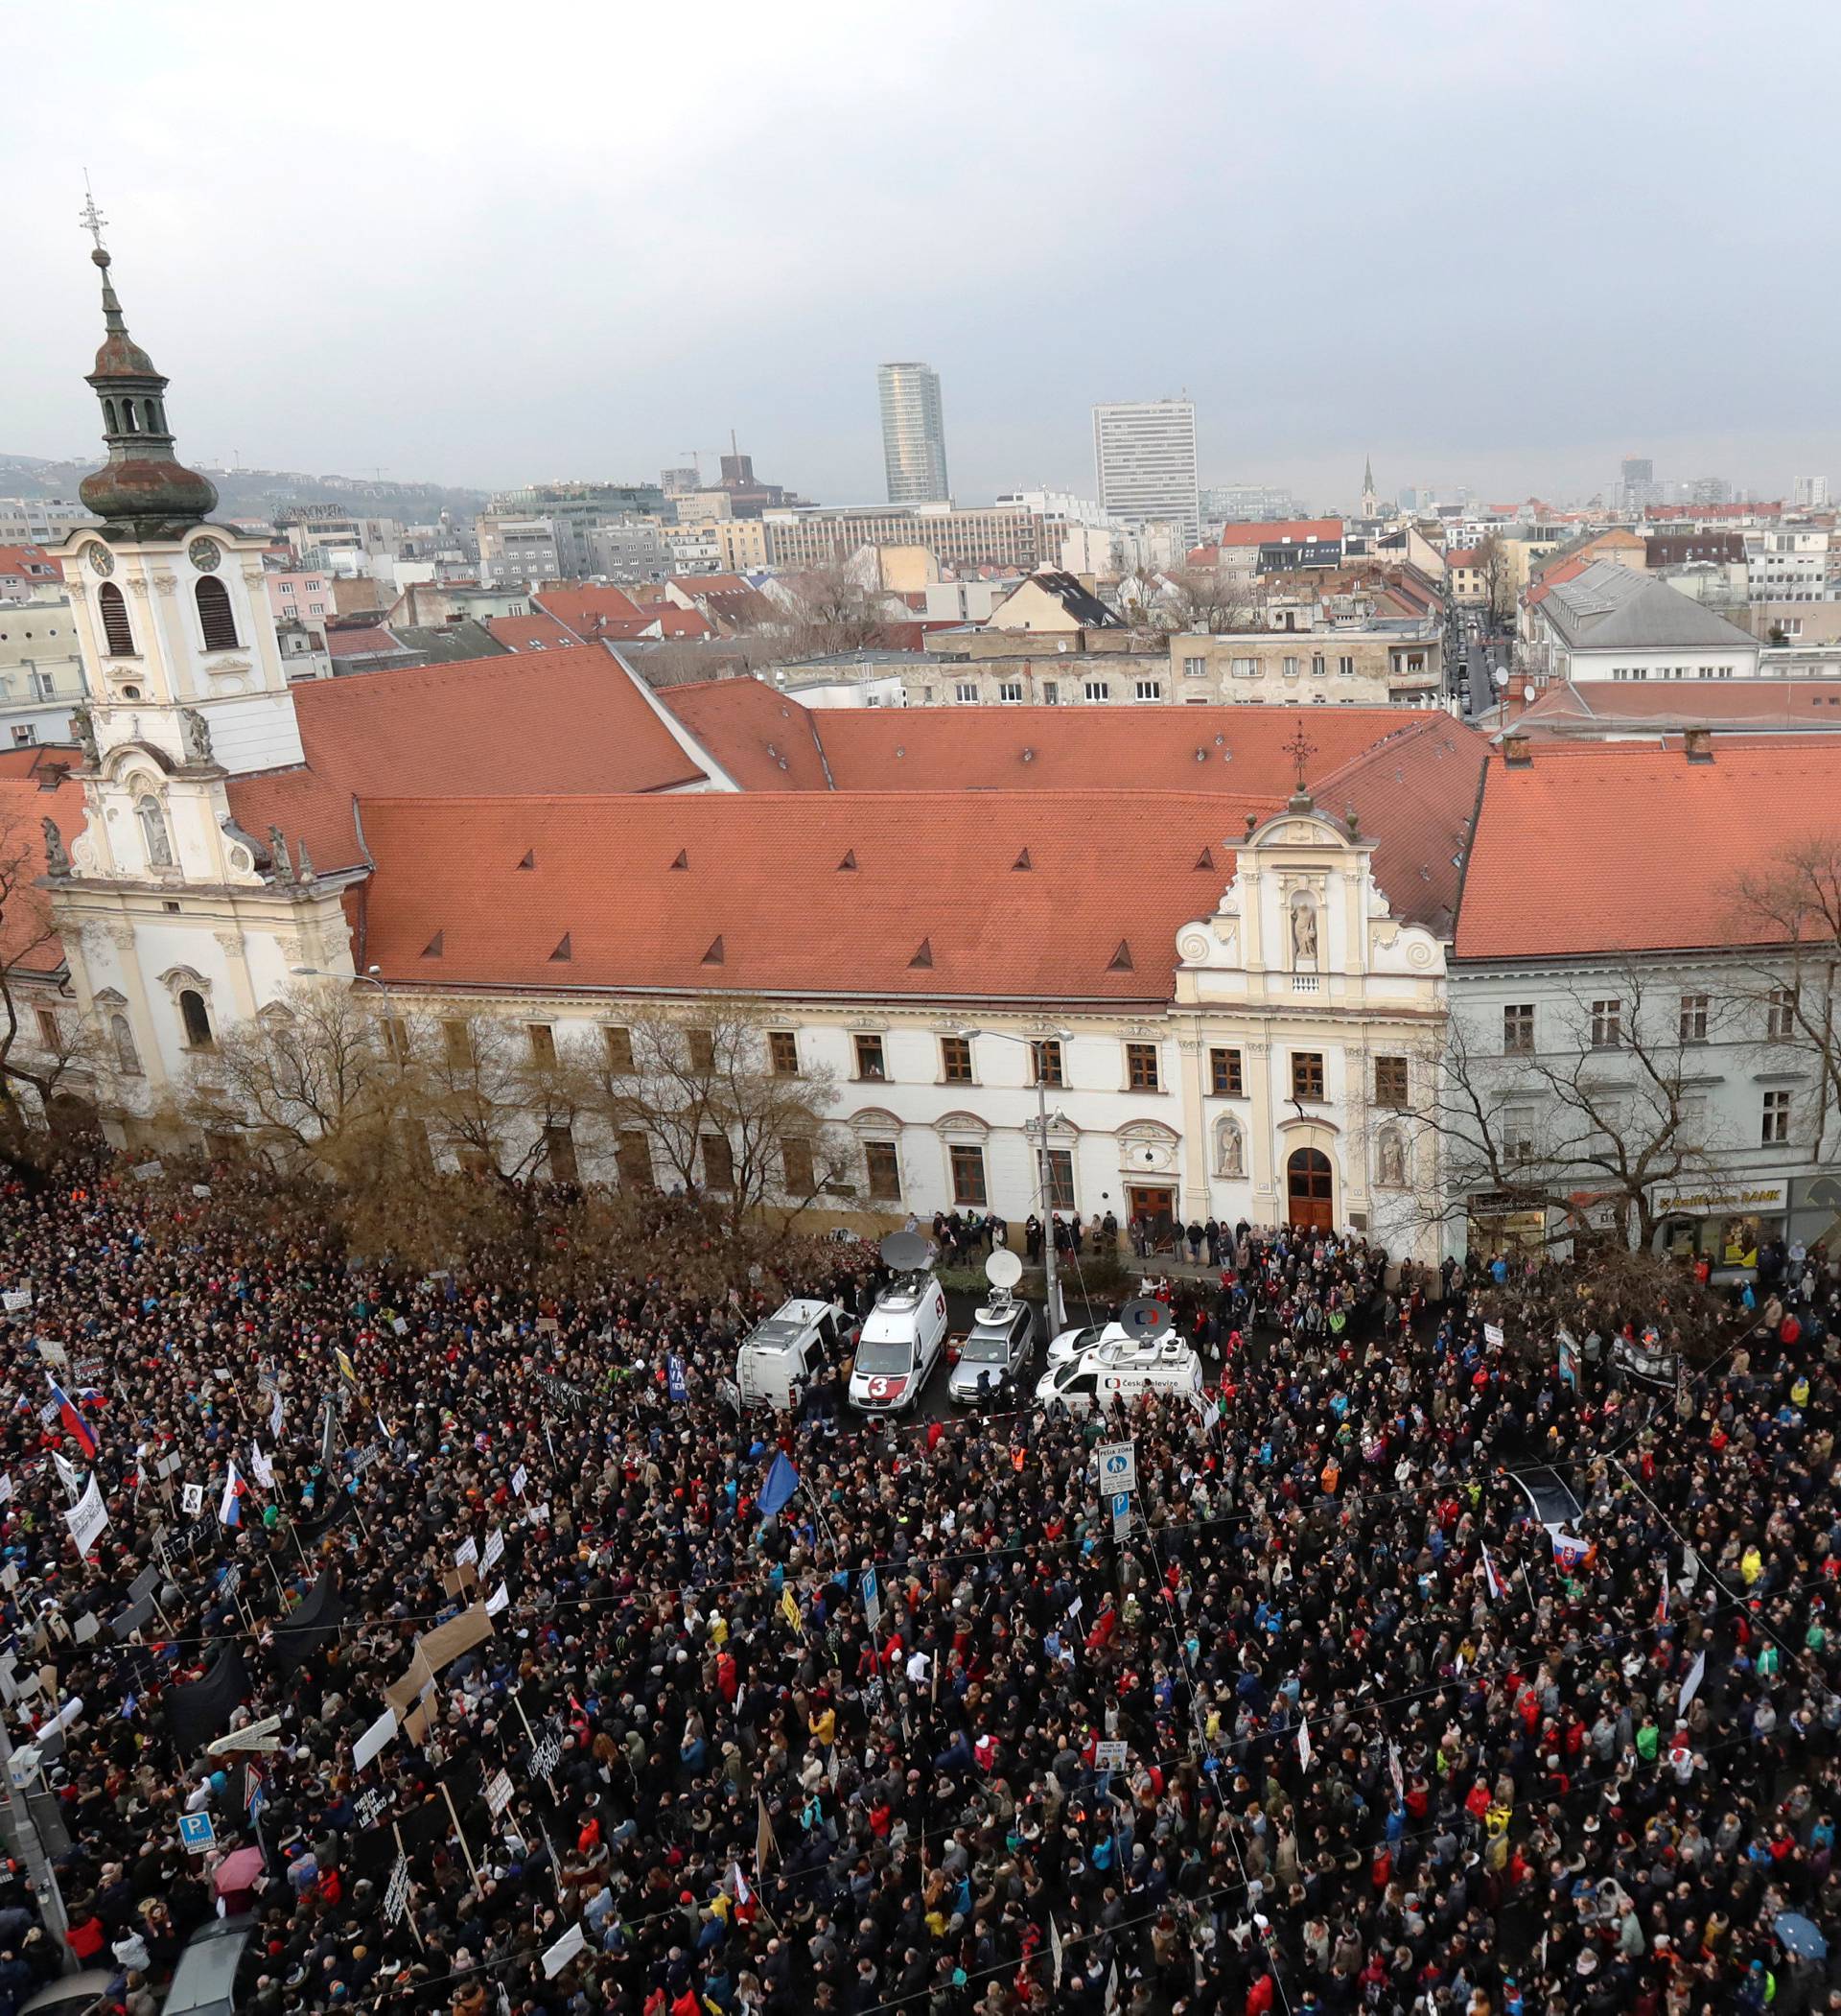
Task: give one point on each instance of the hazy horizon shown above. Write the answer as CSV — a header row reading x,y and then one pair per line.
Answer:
x,y
1509,257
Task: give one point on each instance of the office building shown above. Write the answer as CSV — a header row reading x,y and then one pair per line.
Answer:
x,y
1144,452
1813,493
914,433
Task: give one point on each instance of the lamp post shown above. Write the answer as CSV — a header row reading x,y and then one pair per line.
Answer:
x,y
372,976
1045,1171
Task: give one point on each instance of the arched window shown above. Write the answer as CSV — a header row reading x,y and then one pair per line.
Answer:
x,y
129,424
108,416
214,615
117,635
128,1058
153,832
196,1018
153,423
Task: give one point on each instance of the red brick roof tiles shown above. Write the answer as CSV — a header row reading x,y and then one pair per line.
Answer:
x,y
24,945
1607,848
530,633
764,740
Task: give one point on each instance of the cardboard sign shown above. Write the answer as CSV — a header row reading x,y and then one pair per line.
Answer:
x,y
1493,1335
1108,1756
15,1300
497,1600
150,1172
192,1498
558,1956
87,1518
467,1552
519,1477
499,1793
495,1548
396,1899
372,1804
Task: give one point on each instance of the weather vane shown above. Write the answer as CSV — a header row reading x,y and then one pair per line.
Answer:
x,y
91,218
1301,750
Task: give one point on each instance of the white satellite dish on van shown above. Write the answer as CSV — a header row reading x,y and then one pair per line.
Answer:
x,y
1004,1269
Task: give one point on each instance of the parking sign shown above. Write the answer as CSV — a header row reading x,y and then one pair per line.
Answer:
x,y
1118,1466
1121,1502
196,1832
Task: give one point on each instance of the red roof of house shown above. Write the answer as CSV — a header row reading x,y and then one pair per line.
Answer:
x,y
580,608
1609,848
32,563
363,641
672,621
861,894
1614,705
1460,556
764,740
1300,531
25,944
530,633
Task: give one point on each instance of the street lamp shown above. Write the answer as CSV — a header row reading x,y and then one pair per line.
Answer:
x,y
1043,1167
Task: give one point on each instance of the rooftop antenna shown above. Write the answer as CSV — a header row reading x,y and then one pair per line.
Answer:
x,y
91,218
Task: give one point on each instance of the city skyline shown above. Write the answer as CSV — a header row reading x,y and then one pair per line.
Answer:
x,y
520,360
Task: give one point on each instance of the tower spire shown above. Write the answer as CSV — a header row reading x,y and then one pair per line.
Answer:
x,y
145,490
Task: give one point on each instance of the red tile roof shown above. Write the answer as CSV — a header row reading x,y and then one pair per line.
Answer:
x,y
32,563
1300,531
1460,556
672,622
362,641
529,633
764,740
571,720
1624,847
23,941
763,902
580,608
1612,706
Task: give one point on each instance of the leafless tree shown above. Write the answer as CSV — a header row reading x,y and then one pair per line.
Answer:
x,y
1595,1114
1790,909
832,609
1498,568
727,1116
1205,600
45,1055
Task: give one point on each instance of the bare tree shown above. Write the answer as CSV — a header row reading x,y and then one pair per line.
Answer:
x,y
1605,1113
1793,905
1206,600
39,1053
832,609
728,1115
1497,566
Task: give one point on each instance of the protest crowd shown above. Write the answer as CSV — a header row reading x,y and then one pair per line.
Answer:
x,y
594,1695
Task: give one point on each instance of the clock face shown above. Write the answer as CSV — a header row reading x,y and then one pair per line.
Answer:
x,y
101,560
205,554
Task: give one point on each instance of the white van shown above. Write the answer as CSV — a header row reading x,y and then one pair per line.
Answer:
x,y
777,1362
1122,1370
903,1338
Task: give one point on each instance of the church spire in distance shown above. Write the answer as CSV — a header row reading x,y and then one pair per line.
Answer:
x,y
144,491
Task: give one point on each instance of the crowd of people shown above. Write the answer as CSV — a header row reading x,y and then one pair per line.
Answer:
x,y
592,1695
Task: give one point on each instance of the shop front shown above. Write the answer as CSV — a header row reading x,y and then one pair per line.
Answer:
x,y
1722,1224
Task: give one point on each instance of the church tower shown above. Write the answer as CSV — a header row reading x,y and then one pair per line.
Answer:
x,y
174,920
1369,501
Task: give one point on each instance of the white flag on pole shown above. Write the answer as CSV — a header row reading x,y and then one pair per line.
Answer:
x,y
1304,1741
1690,1686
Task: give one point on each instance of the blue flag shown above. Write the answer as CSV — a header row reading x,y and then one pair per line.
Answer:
x,y
782,1480
675,1384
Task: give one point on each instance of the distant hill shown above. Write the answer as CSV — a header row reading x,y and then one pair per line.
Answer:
x,y
258,493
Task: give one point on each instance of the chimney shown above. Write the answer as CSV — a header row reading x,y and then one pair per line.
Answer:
x,y
1518,752
1697,745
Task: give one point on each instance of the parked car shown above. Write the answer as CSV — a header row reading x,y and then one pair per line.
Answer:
x,y
71,1994
204,1982
1124,1370
903,1338
779,1359
994,1358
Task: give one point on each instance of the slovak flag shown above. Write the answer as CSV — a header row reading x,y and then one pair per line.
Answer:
x,y
230,1505
73,1423
1491,1578
1662,1602
744,1896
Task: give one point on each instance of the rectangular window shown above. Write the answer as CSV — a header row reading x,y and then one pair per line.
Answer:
x,y
782,1050
1045,1061
968,1175
1150,689
868,1057
1780,1013
1051,693
718,1161
796,1167
955,1058
1141,1067
543,1043
1098,689
1195,667
1224,1074
1011,690
1306,1074
618,1044
966,691
24,734
1246,667
1060,1179
1693,1018
1390,1082
633,1157
1518,1134
883,1166
1345,667
700,1045
1607,1025
456,1044
1775,1126
559,1153
51,1035
1319,667
1291,668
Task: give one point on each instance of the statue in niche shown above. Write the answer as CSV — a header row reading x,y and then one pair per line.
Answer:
x,y
1304,934
83,726
1231,1152
1393,1162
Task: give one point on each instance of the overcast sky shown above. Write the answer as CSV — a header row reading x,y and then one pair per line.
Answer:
x,y
1504,247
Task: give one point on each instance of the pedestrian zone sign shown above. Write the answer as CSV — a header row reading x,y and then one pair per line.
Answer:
x,y
1118,1466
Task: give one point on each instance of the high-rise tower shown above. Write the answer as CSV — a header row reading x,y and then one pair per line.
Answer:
x,y
914,433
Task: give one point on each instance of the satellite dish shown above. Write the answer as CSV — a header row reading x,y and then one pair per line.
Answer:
x,y
903,1253
1500,676
1004,1269
1146,1317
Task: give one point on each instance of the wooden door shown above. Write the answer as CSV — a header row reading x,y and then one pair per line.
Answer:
x,y
1156,1205
1310,1186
